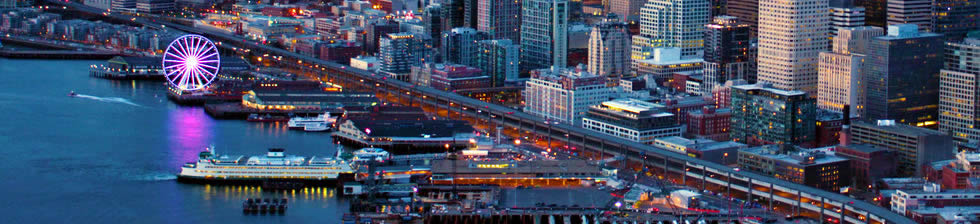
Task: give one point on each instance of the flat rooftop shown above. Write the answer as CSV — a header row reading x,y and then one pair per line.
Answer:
x,y
513,167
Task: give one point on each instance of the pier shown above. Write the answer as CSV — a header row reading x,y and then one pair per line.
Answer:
x,y
57,54
237,111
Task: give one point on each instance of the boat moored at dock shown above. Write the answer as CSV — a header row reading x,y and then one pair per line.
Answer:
x,y
274,166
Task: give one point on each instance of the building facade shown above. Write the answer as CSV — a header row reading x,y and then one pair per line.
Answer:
x,y
726,52
501,19
955,18
674,24
633,120
747,11
915,146
841,79
959,90
903,82
764,115
499,60
544,34
845,14
400,51
791,36
918,12
459,46
609,49
454,77
564,94
811,168
709,123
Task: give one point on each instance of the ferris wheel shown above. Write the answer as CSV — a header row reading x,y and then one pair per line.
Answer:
x,y
191,62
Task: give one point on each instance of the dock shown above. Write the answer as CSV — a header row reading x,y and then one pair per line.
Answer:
x,y
226,110
57,54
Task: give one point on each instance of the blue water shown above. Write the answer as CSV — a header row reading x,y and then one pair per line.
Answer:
x,y
110,156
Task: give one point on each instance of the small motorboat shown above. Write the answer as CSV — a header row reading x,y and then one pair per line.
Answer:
x,y
72,93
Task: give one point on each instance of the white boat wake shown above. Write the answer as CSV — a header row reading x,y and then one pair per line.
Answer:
x,y
153,177
108,99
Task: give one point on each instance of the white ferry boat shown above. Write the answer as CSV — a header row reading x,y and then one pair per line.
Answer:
x,y
318,121
276,165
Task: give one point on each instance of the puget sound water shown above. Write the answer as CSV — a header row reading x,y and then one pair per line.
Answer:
x,y
111,155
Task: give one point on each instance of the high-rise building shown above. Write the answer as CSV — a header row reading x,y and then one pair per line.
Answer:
x,y
631,119
955,18
844,14
747,11
791,36
544,34
959,90
375,31
609,49
875,12
918,12
726,52
915,146
453,14
627,10
432,23
498,59
500,18
672,23
903,80
841,78
459,45
470,14
763,115
399,51
564,94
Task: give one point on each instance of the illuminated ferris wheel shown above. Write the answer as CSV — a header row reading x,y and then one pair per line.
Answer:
x,y
191,62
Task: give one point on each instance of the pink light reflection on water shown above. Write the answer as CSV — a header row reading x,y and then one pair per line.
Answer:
x,y
190,131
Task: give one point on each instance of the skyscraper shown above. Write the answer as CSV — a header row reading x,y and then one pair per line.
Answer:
x,y
500,18
791,36
764,115
399,51
498,59
875,12
672,23
747,11
459,45
432,21
453,14
609,45
844,14
841,78
959,92
375,31
544,34
627,10
954,18
726,52
903,82
470,13
918,12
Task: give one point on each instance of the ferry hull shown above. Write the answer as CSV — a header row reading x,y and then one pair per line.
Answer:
x,y
334,182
